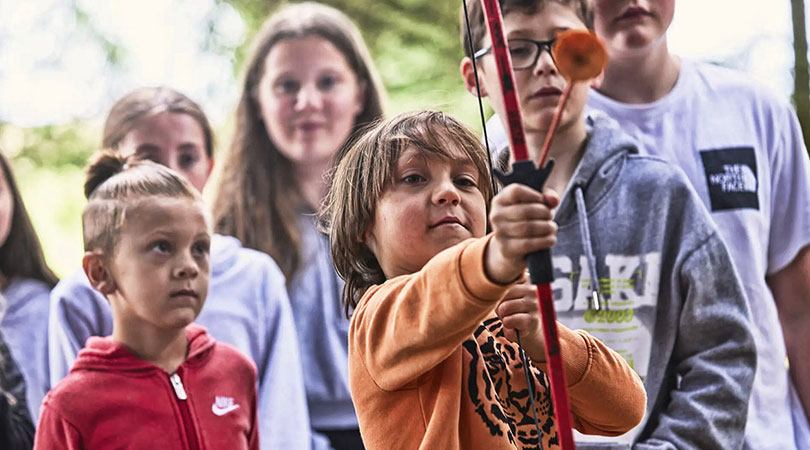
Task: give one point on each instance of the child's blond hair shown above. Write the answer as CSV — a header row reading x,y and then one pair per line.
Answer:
x,y
366,170
113,183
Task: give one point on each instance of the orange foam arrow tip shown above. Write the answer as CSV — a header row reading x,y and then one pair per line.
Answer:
x,y
579,55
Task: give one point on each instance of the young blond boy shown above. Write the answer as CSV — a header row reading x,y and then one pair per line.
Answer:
x,y
638,262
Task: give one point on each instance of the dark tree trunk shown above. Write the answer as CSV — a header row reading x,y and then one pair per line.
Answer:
x,y
801,86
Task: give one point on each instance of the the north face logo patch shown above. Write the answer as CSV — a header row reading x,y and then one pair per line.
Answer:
x,y
731,175
735,178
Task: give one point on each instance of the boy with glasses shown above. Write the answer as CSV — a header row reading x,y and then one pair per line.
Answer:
x,y
638,263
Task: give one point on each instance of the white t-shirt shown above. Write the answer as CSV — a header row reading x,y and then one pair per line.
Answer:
x,y
742,149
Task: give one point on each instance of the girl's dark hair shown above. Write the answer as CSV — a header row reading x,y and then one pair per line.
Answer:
x,y
113,182
367,169
21,255
258,197
148,101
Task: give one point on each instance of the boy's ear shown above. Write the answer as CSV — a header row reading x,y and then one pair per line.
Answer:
x,y
369,241
468,74
97,273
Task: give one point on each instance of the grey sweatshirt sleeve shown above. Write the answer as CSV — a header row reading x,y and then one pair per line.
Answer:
x,y
714,357
77,311
283,413
25,330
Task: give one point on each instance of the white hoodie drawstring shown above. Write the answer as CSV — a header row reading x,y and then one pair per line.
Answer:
x,y
584,230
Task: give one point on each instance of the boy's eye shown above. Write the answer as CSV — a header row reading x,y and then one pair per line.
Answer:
x,y
201,248
520,48
162,246
412,178
466,181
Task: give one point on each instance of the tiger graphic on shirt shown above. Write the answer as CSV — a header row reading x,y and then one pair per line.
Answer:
x,y
496,385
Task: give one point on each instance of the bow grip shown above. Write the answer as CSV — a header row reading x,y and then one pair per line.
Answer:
x,y
524,172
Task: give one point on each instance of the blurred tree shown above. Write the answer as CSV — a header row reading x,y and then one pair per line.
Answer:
x,y
48,163
801,77
56,146
415,44
427,24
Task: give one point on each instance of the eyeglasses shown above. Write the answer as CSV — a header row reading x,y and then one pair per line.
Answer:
x,y
524,52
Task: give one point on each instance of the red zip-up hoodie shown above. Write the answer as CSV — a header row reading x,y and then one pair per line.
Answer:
x,y
111,399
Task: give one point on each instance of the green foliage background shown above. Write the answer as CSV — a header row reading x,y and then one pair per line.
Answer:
x,y
415,45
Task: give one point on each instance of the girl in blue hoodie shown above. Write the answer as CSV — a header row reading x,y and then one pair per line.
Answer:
x,y
247,305
25,283
309,85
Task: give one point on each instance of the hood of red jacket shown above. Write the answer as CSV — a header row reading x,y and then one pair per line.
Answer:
x,y
103,353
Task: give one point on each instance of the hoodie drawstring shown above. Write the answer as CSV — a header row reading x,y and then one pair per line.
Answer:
x,y
584,230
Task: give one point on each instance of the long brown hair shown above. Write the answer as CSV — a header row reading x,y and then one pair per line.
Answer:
x,y
21,255
146,102
366,171
257,196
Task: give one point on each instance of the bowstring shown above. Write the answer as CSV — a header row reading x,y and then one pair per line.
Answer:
x,y
523,357
478,96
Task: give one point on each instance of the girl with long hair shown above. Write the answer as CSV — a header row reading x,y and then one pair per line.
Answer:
x,y
25,283
309,86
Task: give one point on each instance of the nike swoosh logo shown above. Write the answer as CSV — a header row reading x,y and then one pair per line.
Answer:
x,y
222,411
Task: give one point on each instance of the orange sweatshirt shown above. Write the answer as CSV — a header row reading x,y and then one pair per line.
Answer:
x,y
430,368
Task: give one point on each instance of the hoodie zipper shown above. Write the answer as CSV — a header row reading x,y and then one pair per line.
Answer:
x,y
185,413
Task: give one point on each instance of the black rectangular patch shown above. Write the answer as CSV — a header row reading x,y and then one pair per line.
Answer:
x,y
731,175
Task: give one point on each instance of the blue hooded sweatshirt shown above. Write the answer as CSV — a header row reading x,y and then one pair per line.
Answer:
x,y
247,307
323,333
669,299
25,327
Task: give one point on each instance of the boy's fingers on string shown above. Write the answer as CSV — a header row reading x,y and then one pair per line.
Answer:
x,y
510,334
525,304
521,321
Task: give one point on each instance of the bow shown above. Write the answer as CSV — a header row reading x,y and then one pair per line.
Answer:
x,y
525,172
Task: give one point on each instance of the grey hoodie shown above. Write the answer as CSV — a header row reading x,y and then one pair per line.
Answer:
x,y
669,297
